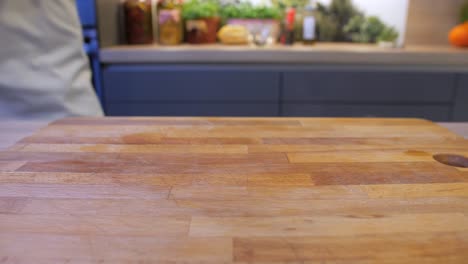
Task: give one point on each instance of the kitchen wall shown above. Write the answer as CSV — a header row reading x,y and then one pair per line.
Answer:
x,y
429,21
108,22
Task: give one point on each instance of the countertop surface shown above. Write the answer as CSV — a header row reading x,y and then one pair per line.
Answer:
x,y
12,131
326,53
234,190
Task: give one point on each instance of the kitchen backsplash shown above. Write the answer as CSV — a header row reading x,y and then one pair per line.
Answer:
x,y
429,21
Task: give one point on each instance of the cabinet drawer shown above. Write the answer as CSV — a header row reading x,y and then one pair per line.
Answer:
x,y
349,86
192,109
133,83
432,112
460,110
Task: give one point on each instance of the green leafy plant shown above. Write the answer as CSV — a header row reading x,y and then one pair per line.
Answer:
x,y
328,26
354,28
197,9
283,4
342,21
265,12
248,11
367,30
372,28
464,12
342,11
332,19
389,34
230,11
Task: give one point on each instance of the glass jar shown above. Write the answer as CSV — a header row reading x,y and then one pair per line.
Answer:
x,y
138,21
170,27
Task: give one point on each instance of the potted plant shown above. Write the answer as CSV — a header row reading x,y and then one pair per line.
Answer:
x,y
201,21
371,29
261,21
364,29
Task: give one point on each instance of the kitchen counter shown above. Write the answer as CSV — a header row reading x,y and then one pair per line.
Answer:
x,y
234,190
322,53
325,80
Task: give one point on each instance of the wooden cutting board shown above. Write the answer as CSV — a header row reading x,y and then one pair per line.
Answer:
x,y
227,190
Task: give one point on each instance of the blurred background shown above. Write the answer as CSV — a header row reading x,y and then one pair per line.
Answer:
x,y
326,58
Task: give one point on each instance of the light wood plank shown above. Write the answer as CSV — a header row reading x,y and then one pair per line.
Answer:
x,y
276,192
369,156
167,180
56,248
417,190
110,148
83,191
400,248
326,225
209,207
94,225
326,130
8,166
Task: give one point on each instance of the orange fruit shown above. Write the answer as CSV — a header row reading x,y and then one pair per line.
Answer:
x,y
459,35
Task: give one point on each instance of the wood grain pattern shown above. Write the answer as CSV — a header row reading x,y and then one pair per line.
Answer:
x,y
326,225
232,190
392,248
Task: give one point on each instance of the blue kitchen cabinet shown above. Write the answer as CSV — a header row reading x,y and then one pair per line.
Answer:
x,y
460,108
192,109
365,93
368,86
283,90
191,90
431,112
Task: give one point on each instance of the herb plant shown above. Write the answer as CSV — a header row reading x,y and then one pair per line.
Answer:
x,y
197,9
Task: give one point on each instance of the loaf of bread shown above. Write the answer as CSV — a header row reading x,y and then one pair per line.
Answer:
x,y
233,35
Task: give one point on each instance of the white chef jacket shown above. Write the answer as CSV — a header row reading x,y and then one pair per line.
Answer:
x,y
44,72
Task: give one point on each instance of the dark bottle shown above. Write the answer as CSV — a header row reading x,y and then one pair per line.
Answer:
x,y
138,21
309,25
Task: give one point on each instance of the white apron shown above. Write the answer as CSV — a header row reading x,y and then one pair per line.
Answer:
x,y
44,72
